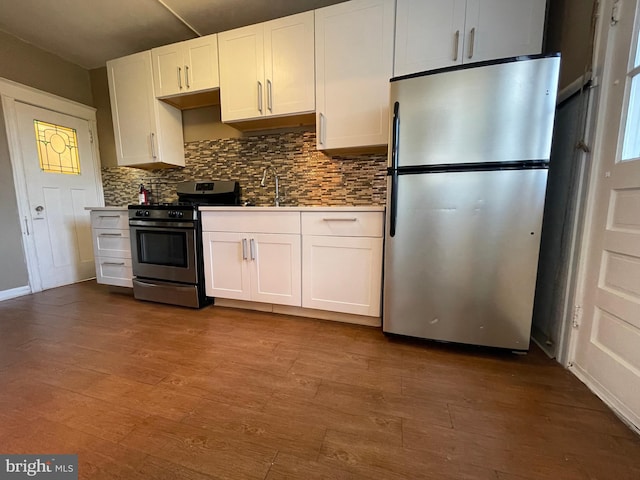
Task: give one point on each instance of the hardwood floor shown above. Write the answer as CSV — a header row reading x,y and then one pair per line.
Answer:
x,y
148,391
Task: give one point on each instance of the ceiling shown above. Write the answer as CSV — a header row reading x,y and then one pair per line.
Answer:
x,y
90,32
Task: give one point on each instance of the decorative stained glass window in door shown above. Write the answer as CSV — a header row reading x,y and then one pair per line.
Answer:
x,y
57,148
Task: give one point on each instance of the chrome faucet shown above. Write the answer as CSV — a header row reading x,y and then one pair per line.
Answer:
x,y
276,199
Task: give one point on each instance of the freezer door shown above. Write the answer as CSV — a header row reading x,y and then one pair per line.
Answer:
x,y
462,264
492,113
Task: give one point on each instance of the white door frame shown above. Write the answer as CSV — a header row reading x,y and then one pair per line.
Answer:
x,y
12,92
595,125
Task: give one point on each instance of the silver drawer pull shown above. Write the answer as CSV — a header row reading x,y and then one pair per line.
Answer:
x,y
116,264
110,235
339,219
109,216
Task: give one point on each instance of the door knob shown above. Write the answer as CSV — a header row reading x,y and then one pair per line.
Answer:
x,y
39,208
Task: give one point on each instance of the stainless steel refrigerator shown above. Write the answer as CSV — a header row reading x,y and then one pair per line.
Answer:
x,y
468,160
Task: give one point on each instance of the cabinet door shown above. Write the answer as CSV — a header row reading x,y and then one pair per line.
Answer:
x,y
201,63
147,132
429,34
132,108
289,65
342,274
503,28
276,268
354,62
226,267
168,74
242,73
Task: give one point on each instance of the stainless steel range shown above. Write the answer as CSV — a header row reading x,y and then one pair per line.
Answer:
x,y
166,244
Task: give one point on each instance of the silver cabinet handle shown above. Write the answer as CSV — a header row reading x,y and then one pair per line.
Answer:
x,y
153,145
321,128
117,264
252,248
186,75
26,225
109,216
351,219
180,78
456,44
244,248
109,234
269,96
472,41
259,96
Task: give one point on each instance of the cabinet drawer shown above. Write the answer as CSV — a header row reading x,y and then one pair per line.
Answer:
x,y
111,243
114,271
107,219
343,224
254,222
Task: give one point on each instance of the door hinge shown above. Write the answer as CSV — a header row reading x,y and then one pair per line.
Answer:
x,y
577,316
581,145
91,136
615,12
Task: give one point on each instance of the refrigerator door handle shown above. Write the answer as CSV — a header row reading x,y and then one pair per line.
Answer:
x,y
393,207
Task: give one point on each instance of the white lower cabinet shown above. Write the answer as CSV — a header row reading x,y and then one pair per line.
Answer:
x,y
255,266
112,247
322,259
342,261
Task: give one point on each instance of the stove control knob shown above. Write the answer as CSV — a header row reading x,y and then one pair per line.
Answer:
x,y
180,214
147,213
172,214
139,213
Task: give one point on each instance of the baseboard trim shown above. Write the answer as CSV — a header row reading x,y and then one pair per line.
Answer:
x,y
301,312
630,418
14,292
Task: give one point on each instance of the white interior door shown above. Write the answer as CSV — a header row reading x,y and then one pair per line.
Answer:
x,y
607,341
57,193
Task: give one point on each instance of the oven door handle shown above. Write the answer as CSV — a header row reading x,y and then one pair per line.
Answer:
x,y
162,225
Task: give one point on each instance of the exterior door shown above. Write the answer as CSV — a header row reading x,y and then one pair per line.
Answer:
x,y
606,343
60,175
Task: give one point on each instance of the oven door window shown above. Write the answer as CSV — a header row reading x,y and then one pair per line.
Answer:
x,y
163,248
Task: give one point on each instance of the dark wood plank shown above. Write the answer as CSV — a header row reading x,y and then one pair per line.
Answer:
x,y
142,390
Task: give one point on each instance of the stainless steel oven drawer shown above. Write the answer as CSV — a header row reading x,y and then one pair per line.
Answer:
x,y
165,292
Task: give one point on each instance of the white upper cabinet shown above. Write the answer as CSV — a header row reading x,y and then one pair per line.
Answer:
x,y
148,133
267,69
354,62
429,34
186,67
503,28
441,33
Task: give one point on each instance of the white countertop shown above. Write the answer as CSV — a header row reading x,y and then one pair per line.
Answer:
x,y
371,208
107,208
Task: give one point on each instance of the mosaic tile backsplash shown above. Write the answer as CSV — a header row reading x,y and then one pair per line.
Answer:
x,y
307,177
